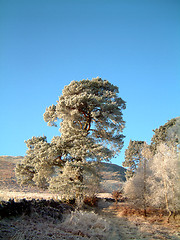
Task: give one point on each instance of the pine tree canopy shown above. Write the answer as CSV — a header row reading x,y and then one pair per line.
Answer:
x,y
133,157
91,119
169,132
89,113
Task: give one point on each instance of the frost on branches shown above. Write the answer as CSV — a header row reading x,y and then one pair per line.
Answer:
x,y
165,179
89,113
156,181
167,133
91,119
137,187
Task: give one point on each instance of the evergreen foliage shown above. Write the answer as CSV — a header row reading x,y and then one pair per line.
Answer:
x,y
91,125
133,157
165,133
91,119
37,167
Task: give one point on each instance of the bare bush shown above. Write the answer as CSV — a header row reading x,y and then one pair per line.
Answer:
x,y
91,201
87,223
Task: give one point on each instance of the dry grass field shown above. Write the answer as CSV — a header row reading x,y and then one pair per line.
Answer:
x,y
106,221
135,226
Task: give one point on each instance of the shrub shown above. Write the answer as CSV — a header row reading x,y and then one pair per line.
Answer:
x,y
86,224
116,195
91,201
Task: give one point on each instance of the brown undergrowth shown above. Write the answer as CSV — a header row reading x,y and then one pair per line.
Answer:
x,y
130,223
110,222
152,215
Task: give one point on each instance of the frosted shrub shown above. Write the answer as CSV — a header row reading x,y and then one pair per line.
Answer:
x,y
165,187
88,223
137,188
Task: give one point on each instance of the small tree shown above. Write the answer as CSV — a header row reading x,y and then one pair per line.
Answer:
x,y
165,178
91,125
137,187
133,157
156,180
116,195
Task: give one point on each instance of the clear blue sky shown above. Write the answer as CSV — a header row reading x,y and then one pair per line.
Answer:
x,y
45,44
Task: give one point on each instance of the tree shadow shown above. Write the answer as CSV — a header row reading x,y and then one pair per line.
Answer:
x,y
136,226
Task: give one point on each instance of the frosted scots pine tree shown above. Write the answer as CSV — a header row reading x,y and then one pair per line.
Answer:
x,y
91,119
133,157
165,134
89,113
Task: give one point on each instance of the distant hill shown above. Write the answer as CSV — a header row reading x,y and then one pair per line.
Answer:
x,y
112,175
113,172
7,173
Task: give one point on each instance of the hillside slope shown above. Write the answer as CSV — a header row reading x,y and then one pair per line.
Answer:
x,y
7,173
112,175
